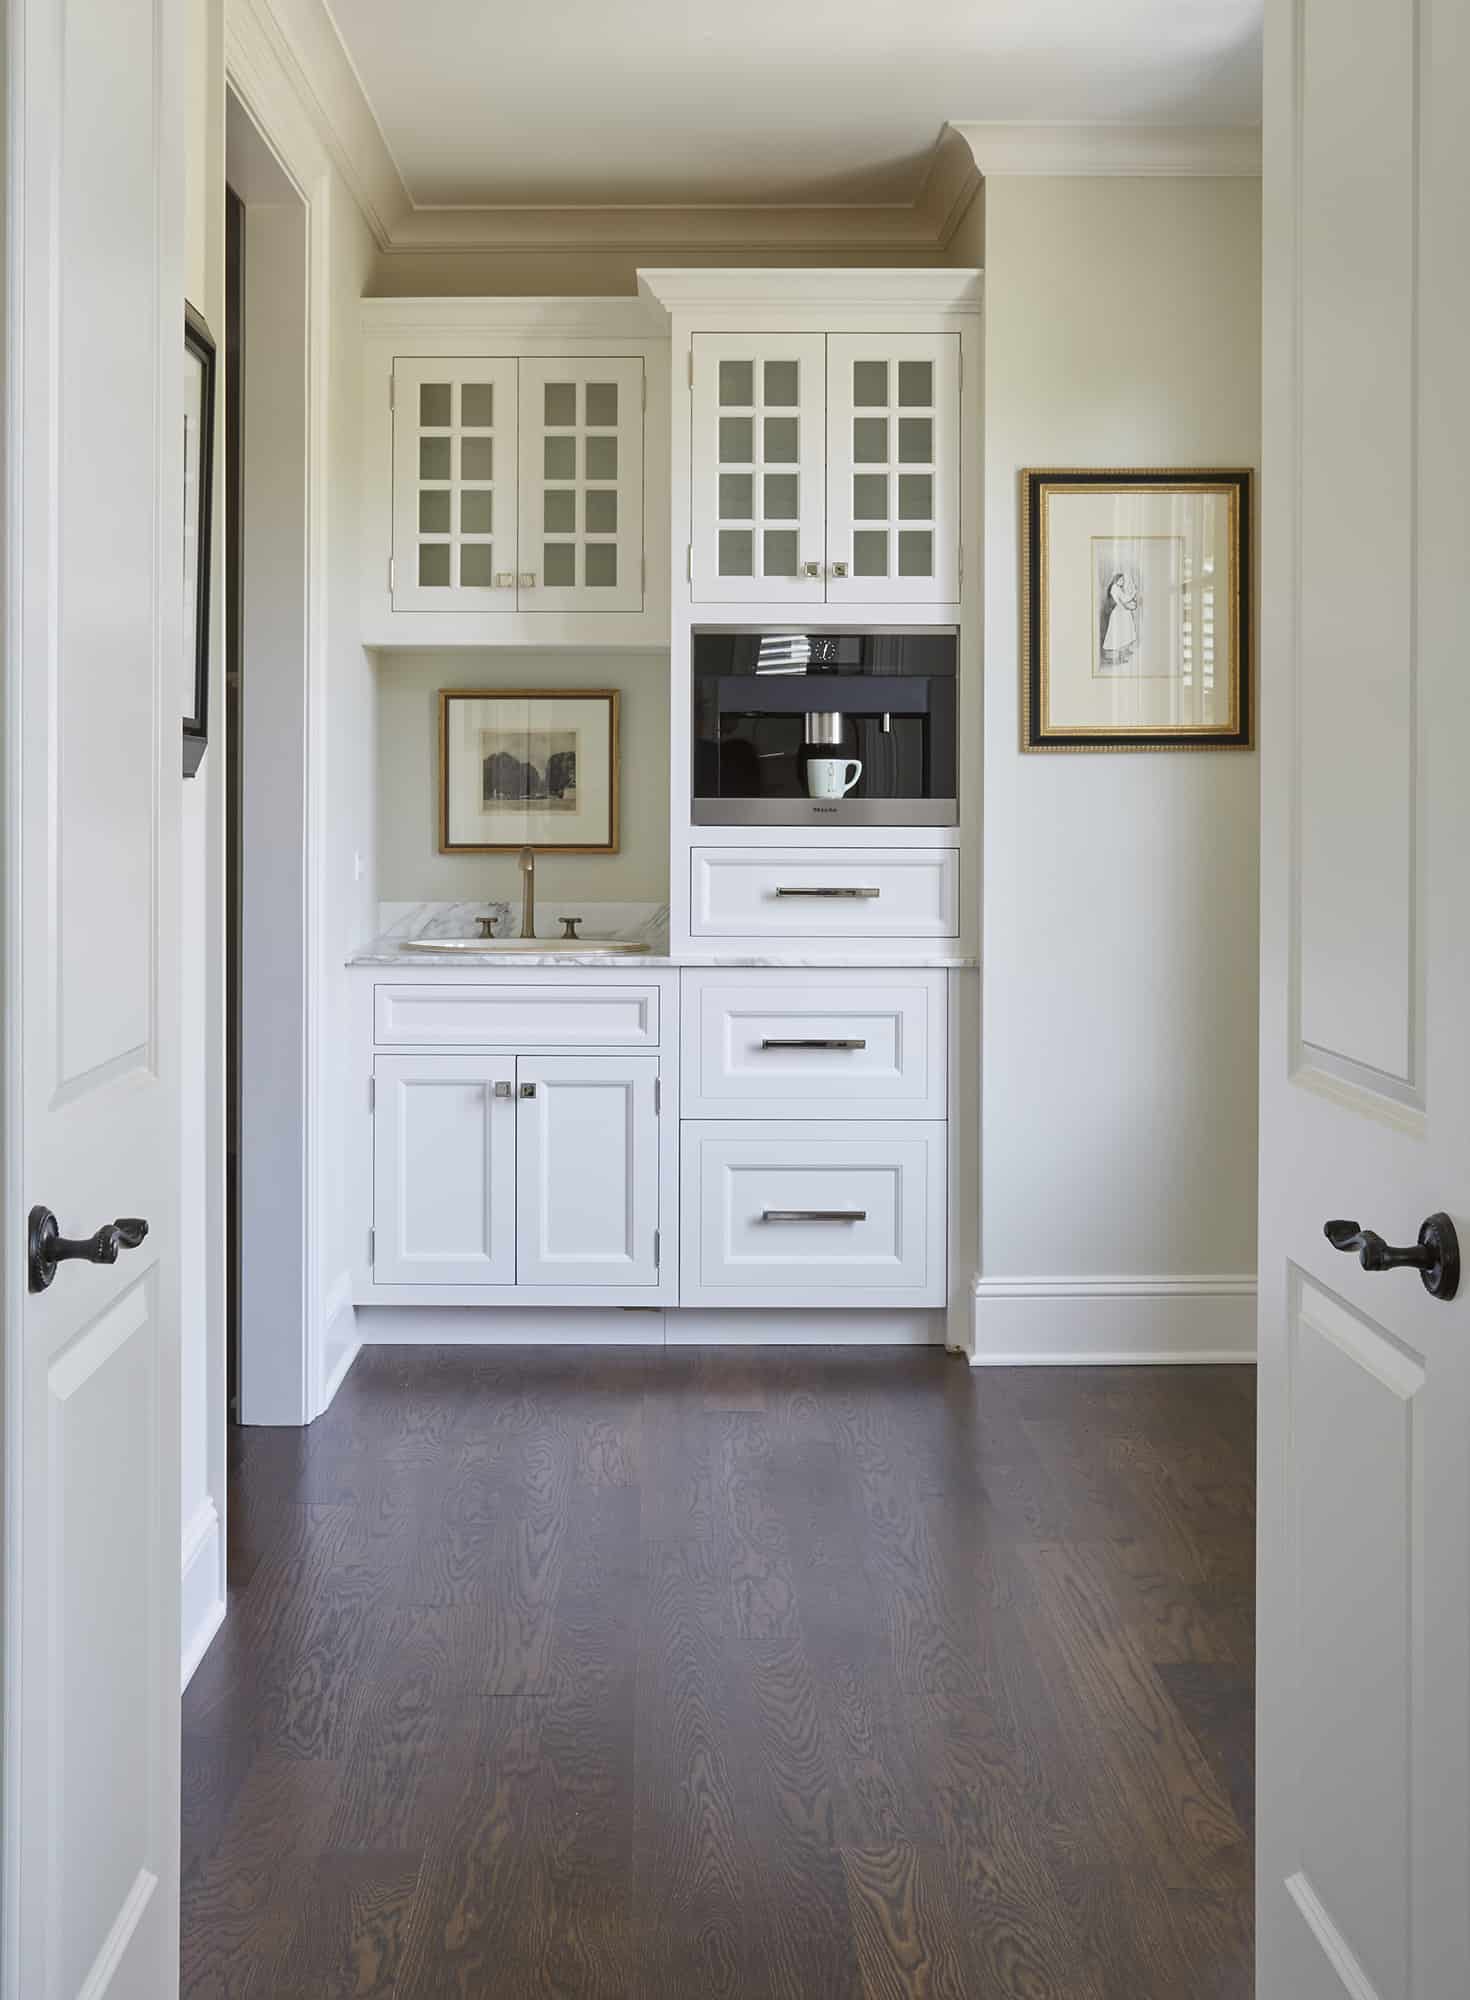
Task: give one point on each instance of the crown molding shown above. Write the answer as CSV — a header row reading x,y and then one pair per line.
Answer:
x,y
940,289
518,317
1225,152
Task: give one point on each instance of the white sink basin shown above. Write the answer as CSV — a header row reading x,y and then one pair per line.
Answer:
x,y
537,946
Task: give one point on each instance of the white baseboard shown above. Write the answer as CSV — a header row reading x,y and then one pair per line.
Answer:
x,y
1087,1321
340,1338
202,1610
614,1326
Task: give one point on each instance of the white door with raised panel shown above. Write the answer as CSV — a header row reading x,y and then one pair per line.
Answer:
x,y
1363,1844
454,485
893,468
758,512
588,1170
444,1170
581,485
94,688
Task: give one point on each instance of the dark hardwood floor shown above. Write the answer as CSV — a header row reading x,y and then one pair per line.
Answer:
x,y
767,1672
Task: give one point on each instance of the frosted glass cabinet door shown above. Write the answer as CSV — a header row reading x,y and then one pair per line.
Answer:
x,y
759,494
444,1170
893,472
454,485
581,485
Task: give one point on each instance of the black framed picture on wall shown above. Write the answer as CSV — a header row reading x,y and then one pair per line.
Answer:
x,y
1136,610
199,387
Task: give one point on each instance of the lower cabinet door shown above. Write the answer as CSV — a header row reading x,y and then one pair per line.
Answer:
x,y
587,1141
444,1170
826,1214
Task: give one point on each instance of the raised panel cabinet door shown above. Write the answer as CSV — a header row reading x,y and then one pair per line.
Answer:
x,y
444,1170
1363,1590
758,462
587,1195
581,485
893,468
454,485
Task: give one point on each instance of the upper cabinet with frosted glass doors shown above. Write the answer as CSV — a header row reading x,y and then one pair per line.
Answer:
x,y
506,497
826,468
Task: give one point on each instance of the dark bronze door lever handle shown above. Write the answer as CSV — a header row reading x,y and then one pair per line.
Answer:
x,y
48,1247
1436,1256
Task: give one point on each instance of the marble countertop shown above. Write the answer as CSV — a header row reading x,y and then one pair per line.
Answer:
x,y
646,923
390,952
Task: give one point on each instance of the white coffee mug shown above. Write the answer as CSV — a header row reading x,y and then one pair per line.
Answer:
x,y
832,777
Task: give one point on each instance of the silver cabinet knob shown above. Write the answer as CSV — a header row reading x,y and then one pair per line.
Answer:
x,y
839,569
528,1090
505,579
811,569
502,1090
528,579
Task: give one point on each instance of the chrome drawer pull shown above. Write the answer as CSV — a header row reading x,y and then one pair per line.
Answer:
x,y
814,1215
830,891
814,1042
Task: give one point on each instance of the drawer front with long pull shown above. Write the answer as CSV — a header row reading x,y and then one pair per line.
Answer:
x,y
793,1044
837,1214
851,892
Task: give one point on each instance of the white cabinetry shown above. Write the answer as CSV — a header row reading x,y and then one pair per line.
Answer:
x,y
515,473
587,1170
539,1172
444,1173
825,468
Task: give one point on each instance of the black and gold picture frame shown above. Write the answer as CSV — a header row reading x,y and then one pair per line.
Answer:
x,y
1136,610
198,553
528,768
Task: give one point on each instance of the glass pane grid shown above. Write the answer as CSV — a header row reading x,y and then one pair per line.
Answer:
x,y
893,478
580,503
456,485
758,490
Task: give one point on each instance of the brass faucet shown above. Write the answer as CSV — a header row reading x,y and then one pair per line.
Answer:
x,y
528,892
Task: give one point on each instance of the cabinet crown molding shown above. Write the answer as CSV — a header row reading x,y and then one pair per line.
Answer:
x,y
1221,152
938,289
516,318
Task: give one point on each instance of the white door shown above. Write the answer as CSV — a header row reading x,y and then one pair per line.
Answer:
x,y
758,502
581,485
444,1170
454,485
893,468
588,1170
1364,1617
94,677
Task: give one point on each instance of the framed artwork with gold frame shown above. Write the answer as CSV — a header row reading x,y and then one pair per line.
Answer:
x,y
528,767
1136,610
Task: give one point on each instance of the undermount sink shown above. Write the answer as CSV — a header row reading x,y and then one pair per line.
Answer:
x,y
536,946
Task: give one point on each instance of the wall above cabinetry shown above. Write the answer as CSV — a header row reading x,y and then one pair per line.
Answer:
x,y
515,484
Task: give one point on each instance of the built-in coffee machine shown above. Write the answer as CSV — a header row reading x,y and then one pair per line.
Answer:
x,y
797,728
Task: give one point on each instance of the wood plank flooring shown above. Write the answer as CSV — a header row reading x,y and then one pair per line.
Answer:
x,y
774,1674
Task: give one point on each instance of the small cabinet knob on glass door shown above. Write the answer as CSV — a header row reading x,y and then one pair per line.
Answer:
x,y
811,569
839,569
1436,1255
505,579
528,579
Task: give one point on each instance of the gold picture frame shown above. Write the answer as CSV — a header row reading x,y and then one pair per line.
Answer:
x,y
1136,609
535,767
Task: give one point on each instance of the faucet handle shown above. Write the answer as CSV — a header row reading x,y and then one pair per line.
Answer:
x,y
569,926
485,927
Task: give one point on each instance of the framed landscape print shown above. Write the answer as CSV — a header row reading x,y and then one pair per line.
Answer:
x,y
528,768
1136,610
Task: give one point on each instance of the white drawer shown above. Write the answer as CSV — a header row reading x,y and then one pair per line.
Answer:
x,y
558,1014
825,1215
803,1045
849,892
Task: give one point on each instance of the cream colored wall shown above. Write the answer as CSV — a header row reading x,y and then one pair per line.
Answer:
x,y
1120,923
410,866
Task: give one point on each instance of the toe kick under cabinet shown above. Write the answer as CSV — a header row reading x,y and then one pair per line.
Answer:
x,y
763,1137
